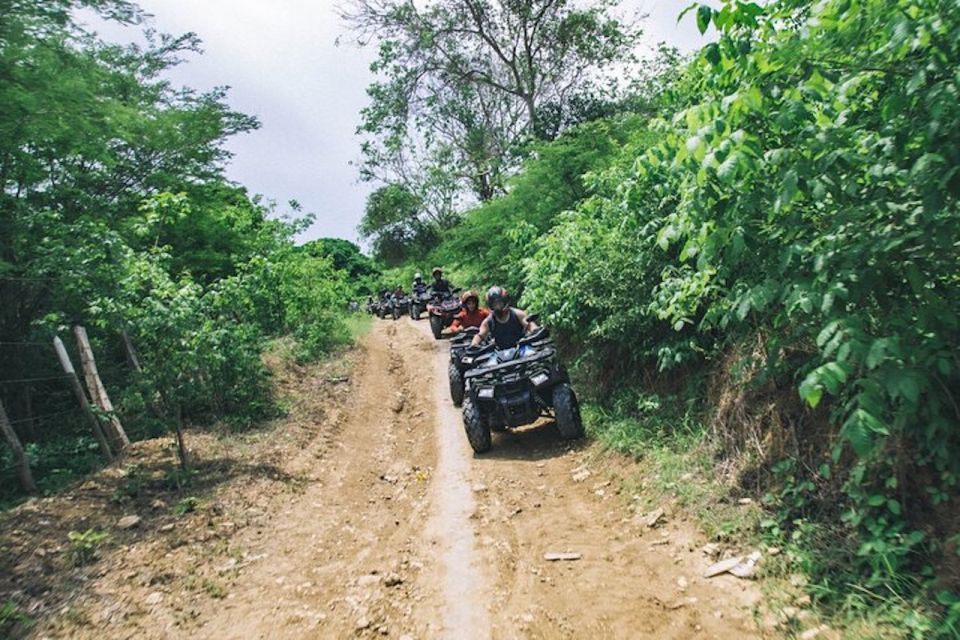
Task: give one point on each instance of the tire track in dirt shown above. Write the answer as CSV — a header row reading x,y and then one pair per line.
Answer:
x,y
465,587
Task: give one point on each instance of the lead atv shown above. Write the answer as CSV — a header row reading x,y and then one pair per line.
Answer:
x,y
505,389
443,308
457,367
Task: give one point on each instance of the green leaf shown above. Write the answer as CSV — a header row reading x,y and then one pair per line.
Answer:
x,y
704,13
908,386
712,53
877,352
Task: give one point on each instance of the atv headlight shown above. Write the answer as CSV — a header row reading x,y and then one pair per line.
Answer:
x,y
486,392
539,379
467,360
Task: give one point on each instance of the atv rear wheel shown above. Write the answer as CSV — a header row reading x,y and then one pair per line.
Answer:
x,y
436,325
456,384
567,411
478,431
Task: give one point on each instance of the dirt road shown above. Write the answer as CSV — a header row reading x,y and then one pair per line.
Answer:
x,y
390,527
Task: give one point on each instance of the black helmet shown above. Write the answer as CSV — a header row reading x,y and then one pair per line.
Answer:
x,y
497,294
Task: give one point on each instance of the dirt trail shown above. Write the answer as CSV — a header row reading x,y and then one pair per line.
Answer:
x,y
376,520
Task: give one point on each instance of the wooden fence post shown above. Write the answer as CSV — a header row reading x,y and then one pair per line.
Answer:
x,y
68,369
118,437
132,356
19,458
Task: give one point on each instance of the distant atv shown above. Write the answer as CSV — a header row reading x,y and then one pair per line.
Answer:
x,y
457,367
385,308
443,308
418,304
400,306
514,387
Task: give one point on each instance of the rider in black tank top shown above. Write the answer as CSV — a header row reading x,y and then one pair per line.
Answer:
x,y
507,334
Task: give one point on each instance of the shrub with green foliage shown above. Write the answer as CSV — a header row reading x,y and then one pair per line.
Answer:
x,y
115,214
807,193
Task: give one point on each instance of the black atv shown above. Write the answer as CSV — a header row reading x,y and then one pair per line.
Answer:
x,y
457,367
443,308
386,308
418,304
401,306
514,387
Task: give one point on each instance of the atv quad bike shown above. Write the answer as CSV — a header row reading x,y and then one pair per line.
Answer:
x,y
514,387
457,367
386,308
418,304
443,308
401,306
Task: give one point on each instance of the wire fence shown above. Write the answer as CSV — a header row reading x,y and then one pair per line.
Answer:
x,y
47,417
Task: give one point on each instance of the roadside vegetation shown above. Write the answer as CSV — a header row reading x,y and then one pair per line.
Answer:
x,y
115,215
751,254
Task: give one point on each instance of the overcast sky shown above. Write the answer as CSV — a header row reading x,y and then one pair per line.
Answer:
x,y
282,63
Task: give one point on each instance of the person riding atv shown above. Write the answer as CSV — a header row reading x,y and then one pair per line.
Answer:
x,y
419,286
505,324
440,284
471,315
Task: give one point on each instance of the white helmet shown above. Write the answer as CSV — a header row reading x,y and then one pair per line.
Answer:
x,y
418,276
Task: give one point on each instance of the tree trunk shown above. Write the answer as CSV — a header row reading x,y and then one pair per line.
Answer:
x,y
19,458
181,445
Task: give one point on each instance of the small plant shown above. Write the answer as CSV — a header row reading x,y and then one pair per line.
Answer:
x,y
84,546
11,617
186,505
214,589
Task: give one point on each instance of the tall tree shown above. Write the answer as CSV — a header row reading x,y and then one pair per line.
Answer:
x,y
469,76
393,220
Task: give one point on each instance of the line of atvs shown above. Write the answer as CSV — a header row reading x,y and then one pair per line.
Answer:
x,y
501,389
498,389
441,306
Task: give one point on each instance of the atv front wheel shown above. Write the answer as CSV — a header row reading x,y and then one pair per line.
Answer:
x,y
396,314
567,411
456,384
436,325
478,431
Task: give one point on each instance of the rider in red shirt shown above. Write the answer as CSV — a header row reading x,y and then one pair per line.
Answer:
x,y
471,315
